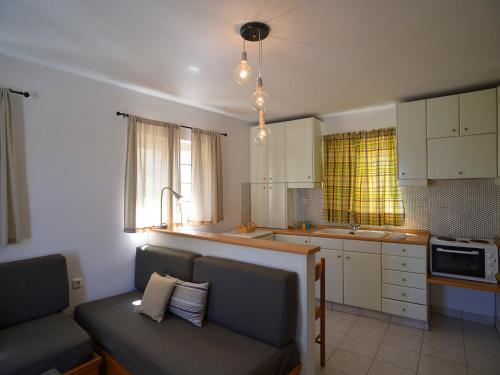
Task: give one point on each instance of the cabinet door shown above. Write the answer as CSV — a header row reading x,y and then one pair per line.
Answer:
x,y
334,278
299,136
258,160
276,153
362,280
258,204
463,157
478,112
442,117
277,205
290,238
412,137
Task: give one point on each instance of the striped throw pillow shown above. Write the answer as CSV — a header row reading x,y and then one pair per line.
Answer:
x,y
189,301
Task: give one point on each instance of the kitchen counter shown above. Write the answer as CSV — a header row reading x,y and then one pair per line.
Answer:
x,y
248,242
413,237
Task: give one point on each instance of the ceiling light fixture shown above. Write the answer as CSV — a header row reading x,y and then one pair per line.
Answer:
x,y
255,32
243,71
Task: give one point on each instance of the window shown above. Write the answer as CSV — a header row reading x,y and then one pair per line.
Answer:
x,y
360,178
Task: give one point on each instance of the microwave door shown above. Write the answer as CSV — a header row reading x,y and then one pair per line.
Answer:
x,y
458,261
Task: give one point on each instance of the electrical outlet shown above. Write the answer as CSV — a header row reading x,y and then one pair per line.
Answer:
x,y
77,282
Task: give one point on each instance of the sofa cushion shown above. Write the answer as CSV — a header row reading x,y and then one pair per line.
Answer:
x,y
54,341
32,288
259,302
162,260
175,346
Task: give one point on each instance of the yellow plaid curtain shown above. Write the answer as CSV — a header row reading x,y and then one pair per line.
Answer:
x,y
361,177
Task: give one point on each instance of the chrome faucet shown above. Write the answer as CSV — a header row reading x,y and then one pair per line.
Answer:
x,y
354,224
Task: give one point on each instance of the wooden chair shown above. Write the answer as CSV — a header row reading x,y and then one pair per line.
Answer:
x,y
320,310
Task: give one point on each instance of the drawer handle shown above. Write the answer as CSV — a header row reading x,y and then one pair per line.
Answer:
x,y
403,294
453,130
404,278
403,250
403,264
348,257
460,172
270,178
305,241
466,129
309,177
264,178
404,309
338,256
270,187
402,173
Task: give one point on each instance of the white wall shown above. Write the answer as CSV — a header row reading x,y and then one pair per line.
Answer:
x,y
73,150
474,302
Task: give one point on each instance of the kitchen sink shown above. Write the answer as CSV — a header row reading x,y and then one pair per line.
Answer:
x,y
350,232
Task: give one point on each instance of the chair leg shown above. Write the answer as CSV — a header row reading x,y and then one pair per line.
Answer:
x,y
322,319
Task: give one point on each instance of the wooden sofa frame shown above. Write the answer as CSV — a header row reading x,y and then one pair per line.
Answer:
x,y
88,368
113,367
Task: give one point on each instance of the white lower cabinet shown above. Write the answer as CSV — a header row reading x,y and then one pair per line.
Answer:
x,y
334,275
290,238
362,280
406,309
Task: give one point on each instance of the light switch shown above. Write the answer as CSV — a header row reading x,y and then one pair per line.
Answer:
x,y
77,282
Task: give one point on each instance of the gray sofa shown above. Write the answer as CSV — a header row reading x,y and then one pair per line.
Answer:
x,y
35,335
250,322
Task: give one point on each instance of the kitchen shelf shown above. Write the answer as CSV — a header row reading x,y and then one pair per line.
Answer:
x,y
467,284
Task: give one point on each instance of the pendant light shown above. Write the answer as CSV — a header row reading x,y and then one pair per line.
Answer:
x,y
255,32
243,71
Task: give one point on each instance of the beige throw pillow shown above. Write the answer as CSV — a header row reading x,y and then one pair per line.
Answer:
x,y
157,295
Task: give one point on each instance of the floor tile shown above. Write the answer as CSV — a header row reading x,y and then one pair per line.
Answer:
x,y
450,352
487,364
331,371
369,328
350,363
445,330
404,337
360,345
400,357
340,322
381,368
333,337
481,338
430,365
328,352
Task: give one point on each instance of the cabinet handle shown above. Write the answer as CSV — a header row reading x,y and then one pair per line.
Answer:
x,y
403,294
460,172
338,256
309,177
453,130
305,241
402,173
348,257
404,308
404,278
403,264
263,187
466,129
270,187
403,250
270,178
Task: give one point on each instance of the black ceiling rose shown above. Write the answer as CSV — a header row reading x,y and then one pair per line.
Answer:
x,y
250,31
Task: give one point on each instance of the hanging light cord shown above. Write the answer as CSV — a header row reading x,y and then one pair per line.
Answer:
x,y
260,56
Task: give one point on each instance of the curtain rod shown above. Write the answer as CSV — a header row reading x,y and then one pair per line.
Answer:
x,y
23,93
118,113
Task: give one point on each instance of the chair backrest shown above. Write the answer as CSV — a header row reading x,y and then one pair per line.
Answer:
x,y
162,260
32,288
256,301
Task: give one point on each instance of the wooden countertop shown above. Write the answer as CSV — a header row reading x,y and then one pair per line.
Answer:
x,y
248,242
417,237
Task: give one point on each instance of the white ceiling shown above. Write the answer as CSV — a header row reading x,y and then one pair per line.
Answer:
x,y
322,56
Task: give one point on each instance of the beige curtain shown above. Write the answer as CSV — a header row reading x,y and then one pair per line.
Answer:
x,y
9,186
153,152
206,158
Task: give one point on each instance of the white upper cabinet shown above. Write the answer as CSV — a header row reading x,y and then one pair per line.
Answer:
x,y
443,117
276,153
259,204
412,140
277,199
478,112
303,152
463,157
258,160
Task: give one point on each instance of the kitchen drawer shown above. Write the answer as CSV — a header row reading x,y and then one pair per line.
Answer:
x,y
399,249
371,247
402,293
406,309
301,240
327,243
412,280
404,264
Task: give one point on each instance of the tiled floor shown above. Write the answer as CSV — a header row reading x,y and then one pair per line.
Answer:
x,y
359,346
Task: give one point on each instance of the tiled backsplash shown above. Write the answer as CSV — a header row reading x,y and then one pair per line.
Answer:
x,y
460,208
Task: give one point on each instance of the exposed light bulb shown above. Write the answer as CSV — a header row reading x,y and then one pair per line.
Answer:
x,y
262,132
243,71
259,97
